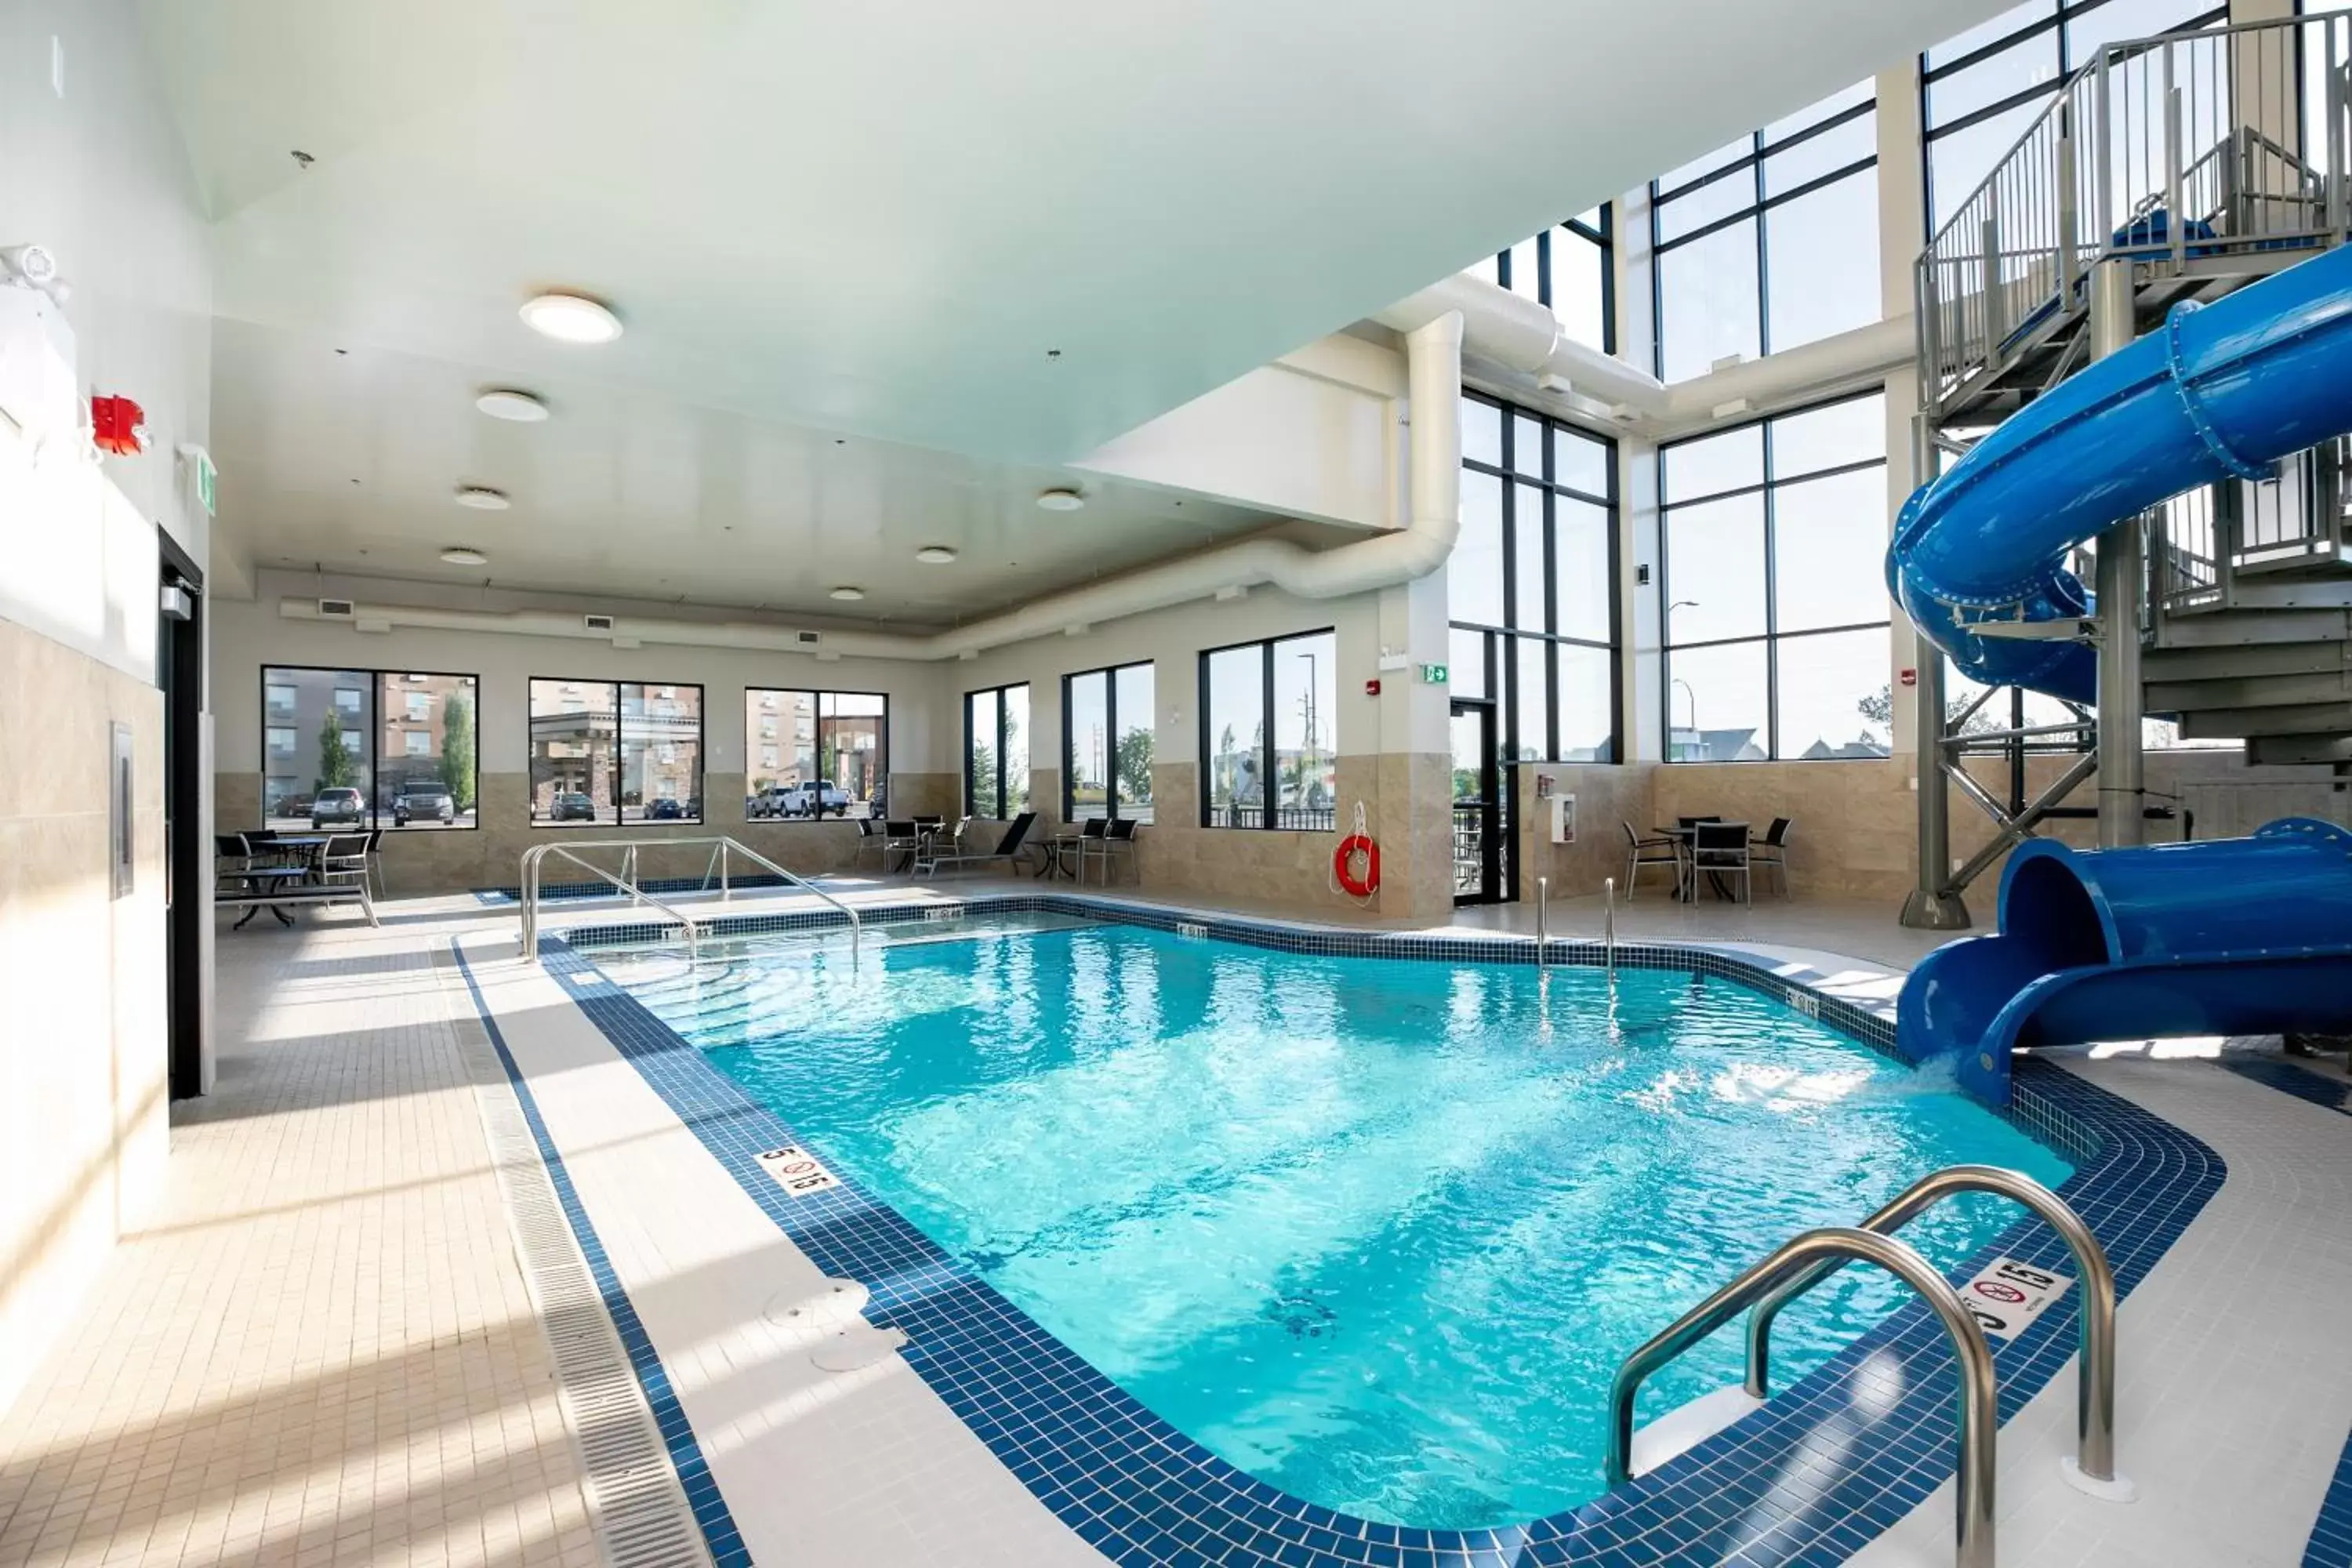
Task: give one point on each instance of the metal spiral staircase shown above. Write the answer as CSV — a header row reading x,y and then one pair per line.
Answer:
x,y
2202,163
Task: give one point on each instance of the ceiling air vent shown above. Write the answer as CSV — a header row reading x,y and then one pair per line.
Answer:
x,y
808,639
335,609
599,622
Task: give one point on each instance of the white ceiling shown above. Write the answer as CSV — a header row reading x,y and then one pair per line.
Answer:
x,y
872,221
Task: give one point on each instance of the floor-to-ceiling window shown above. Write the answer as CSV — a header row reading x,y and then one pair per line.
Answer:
x,y
1571,267
1981,91
1268,751
1777,616
1770,242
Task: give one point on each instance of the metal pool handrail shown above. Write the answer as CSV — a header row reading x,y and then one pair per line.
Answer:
x,y
2094,1414
626,884
531,860
1978,1410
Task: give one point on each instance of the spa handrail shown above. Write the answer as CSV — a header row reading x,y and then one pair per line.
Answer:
x,y
724,849
2095,1378
1979,1410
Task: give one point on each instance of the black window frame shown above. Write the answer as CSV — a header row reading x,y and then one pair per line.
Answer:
x,y
374,750
1604,235
620,750
1927,75
1109,672
1002,803
1268,813
1751,165
1771,637
816,696
1508,742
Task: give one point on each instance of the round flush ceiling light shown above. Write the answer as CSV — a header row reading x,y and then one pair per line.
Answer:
x,y
481,497
934,555
570,318
461,555
503,402
848,594
1061,500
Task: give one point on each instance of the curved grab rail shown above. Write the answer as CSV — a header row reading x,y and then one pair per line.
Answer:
x,y
531,858
2095,1378
626,884
1978,1411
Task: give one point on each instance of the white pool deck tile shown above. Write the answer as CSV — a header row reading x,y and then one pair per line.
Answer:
x,y
324,1350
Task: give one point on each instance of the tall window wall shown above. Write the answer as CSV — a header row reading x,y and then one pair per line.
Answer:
x,y
1571,268
1981,90
1776,617
603,751
1268,749
1107,738
827,752
996,751
404,738
1770,242
1530,587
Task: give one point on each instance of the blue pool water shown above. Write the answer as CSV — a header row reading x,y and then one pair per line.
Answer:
x,y
1378,1233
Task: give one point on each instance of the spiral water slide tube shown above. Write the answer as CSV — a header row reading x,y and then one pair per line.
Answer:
x,y
2235,937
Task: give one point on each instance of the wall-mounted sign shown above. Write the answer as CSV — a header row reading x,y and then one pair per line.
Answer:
x,y
1433,674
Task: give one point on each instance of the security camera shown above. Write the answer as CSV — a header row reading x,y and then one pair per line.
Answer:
x,y
31,264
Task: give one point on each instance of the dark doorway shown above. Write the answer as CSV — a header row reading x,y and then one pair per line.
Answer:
x,y
1477,806
180,673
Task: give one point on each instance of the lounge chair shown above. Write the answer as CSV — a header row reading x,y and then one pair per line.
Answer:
x,y
1007,850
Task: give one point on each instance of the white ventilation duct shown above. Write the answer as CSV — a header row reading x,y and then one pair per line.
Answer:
x,y
1516,333
1434,383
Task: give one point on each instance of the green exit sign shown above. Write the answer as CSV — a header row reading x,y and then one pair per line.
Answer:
x,y
207,479
1433,674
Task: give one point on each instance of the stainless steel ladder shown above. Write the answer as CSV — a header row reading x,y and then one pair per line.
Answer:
x,y
1812,1257
625,884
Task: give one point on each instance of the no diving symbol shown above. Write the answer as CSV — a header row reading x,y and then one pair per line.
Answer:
x,y
1994,1289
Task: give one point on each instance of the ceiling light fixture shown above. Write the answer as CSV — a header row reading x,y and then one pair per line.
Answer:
x,y
934,555
848,594
570,318
1061,500
462,555
481,497
505,403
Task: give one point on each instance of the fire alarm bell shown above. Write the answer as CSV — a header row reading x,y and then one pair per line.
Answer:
x,y
1371,688
118,426
1910,678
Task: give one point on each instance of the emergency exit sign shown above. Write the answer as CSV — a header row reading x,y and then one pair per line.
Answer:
x,y
207,479
1433,674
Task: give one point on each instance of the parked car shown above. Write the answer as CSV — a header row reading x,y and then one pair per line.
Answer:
x,y
422,800
571,806
343,807
813,800
664,810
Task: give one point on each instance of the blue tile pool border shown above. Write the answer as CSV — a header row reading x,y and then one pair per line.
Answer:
x,y
1144,1493
711,1515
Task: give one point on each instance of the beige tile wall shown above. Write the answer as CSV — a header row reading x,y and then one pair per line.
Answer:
x,y
445,860
83,1051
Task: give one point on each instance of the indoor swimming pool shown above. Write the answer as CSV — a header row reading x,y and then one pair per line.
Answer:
x,y
1377,1232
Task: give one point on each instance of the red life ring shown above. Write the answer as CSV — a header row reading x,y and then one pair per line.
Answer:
x,y
1343,865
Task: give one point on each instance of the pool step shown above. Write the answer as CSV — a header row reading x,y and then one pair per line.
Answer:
x,y
1686,1426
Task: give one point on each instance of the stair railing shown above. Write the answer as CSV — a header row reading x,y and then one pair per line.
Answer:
x,y
2194,151
626,883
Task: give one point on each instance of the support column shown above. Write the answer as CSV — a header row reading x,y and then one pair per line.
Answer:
x,y
1933,904
2122,591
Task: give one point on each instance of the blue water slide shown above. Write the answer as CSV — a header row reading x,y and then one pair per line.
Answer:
x,y
2236,936
2224,390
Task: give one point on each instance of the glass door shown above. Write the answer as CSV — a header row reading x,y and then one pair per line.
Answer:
x,y
1477,801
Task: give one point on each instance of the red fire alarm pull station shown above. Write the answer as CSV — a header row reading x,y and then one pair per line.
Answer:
x,y
1371,688
118,426
1909,677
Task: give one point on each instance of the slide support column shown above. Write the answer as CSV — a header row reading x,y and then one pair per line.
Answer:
x,y
2122,588
1933,905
